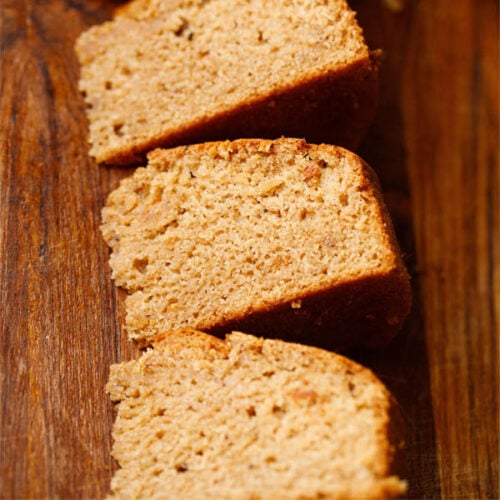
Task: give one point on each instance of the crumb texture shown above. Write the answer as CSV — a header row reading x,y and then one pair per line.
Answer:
x,y
210,233
160,69
199,417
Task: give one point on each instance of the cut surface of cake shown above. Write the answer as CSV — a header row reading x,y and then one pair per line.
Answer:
x,y
248,418
165,73
257,235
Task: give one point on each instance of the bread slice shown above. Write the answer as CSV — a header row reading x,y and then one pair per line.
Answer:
x,y
247,418
184,71
261,236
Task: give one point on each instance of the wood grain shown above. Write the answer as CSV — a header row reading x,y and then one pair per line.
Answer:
x,y
453,164
434,144
58,309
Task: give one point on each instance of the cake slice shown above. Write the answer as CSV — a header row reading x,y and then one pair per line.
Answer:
x,y
261,236
164,73
247,418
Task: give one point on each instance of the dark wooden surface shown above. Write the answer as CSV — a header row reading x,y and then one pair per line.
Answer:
x,y
434,144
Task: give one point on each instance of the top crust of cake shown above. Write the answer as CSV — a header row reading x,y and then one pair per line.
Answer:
x,y
167,73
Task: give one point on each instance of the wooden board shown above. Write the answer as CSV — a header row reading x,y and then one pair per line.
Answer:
x,y
434,144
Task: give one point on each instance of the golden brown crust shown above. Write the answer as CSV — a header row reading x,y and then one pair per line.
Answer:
x,y
140,9
334,108
190,340
367,313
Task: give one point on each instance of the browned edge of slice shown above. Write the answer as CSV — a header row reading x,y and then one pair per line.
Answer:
x,y
337,108
338,319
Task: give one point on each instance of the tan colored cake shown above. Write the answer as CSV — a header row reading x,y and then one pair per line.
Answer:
x,y
247,418
164,73
260,236
142,9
